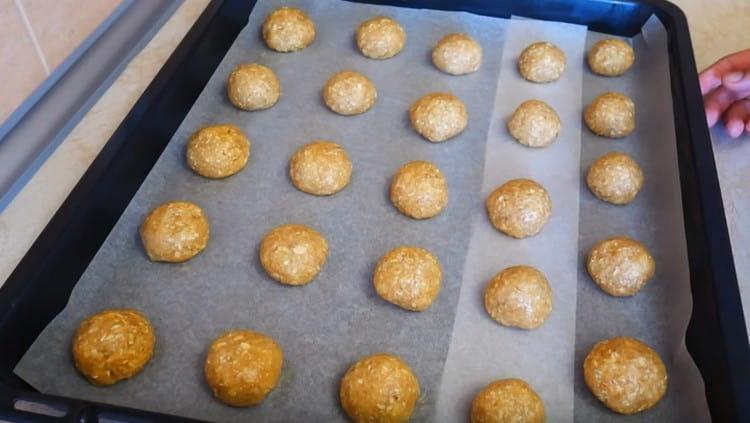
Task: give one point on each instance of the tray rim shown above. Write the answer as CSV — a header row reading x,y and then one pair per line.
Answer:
x,y
725,367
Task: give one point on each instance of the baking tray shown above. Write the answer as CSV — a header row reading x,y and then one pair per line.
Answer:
x,y
39,287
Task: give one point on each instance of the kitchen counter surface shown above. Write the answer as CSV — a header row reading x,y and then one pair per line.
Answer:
x,y
717,28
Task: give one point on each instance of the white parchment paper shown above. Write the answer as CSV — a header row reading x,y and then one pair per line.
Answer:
x,y
454,348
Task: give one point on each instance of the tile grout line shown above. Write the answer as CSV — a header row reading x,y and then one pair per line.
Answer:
x,y
34,41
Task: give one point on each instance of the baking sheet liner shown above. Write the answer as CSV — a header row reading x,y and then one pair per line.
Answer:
x,y
338,318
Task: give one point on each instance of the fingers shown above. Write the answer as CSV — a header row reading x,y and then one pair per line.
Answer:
x,y
712,76
717,102
737,81
737,118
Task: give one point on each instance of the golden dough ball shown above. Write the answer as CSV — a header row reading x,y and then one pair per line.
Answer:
x,y
175,232
611,57
615,178
293,254
534,124
320,168
438,116
409,277
457,54
419,190
620,266
519,208
379,388
113,345
380,38
625,374
611,115
349,93
242,367
519,296
541,62
507,401
288,29
253,87
218,151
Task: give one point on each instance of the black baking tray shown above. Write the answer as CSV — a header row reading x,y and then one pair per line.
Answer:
x,y
41,284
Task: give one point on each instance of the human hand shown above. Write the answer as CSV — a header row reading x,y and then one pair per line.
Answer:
x,y
725,86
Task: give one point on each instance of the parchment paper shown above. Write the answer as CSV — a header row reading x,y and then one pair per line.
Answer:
x,y
733,166
338,318
325,326
659,314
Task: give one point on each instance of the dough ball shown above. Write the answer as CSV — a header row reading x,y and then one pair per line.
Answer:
x,y
288,29
380,38
349,93
419,190
519,296
534,124
408,277
519,208
379,388
320,168
253,87
620,266
457,54
218,151
541,62
175,232
611,57
611,115
625,374
242,367
113,345
507,401
615,178
293,254
438,116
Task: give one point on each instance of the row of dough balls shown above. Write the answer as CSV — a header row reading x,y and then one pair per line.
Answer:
x,y
289,29
436,116
242,367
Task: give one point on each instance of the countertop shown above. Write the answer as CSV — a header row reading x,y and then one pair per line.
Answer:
x,y
717,27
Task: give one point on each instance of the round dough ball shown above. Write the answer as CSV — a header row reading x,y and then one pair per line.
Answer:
x,y
349,93
519,296
293,254
380,38
253,87
611,115
218,151
113,345
288,29
408,277
174,232
519,208
457,54
320,168
507,401
615,178
242,367
534,124
541,62
611,57
439,116
625,374
419,190
620,266
379,388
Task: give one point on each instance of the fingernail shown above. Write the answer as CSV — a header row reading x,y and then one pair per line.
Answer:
x,y
711,117
735,128
734,77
